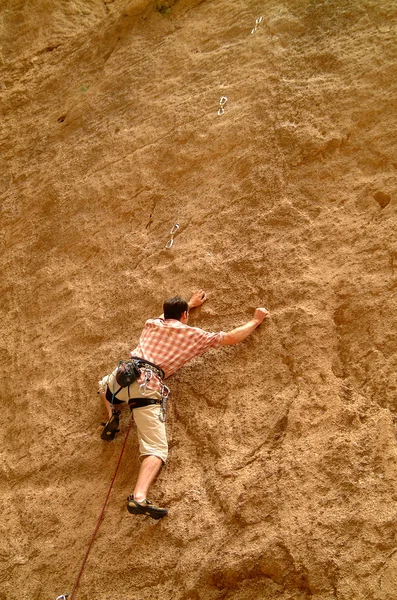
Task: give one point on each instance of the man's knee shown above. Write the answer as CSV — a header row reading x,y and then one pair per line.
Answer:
x,y
160,455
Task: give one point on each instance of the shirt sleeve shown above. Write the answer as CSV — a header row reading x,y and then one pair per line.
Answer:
x,y
204,340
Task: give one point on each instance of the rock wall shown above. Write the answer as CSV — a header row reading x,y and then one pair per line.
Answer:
x,y
282,475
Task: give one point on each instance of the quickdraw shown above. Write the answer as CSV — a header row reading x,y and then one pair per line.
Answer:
x,y
222,103
173,231
143,386
63,597
257,23
165,392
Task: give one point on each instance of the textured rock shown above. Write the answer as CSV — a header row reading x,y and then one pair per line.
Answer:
x,y
282,475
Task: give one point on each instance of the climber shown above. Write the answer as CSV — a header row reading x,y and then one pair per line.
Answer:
x,y
165,345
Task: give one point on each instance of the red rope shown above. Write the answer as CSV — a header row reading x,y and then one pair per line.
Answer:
x,y
102,513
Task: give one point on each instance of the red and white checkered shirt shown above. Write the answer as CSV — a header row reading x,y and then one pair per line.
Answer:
x,y
170,344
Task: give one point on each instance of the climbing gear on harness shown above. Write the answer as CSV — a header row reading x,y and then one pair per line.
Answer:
x,y
257,23
222,103
173,231
145,508
111,427
149,369
141,362
165,392
127,373
63,597
143,387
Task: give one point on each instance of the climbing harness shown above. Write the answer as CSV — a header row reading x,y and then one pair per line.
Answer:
x,y
129,371
173,231
93,536
222,103
257,23
148,369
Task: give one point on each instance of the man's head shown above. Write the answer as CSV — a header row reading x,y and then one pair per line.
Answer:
x,y
176,308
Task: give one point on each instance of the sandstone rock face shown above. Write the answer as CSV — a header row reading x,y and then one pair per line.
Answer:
x,y
282,476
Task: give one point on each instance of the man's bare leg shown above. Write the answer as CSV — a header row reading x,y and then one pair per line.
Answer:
x,y
148,471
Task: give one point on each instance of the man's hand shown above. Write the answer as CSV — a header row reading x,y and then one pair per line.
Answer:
x,y
260,314
197,299
241,333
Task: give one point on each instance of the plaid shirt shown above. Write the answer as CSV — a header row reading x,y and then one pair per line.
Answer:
x,y
170,344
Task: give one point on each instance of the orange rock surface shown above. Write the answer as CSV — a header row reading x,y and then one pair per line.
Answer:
x,y
282,475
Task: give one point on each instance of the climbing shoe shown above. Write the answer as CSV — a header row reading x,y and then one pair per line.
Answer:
x,y
111,427
145,508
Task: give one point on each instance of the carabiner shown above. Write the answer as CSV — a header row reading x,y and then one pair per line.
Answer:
x,y
174,229
143,386
165,392
163,414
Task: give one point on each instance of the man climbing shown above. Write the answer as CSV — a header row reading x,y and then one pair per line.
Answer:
x,y
165,345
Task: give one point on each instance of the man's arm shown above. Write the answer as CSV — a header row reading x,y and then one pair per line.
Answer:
x,y
241,333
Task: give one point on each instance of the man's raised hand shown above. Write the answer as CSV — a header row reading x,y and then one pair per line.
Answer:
x,y
260,314
197,299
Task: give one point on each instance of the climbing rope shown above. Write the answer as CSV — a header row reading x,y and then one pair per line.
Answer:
x,y
93,536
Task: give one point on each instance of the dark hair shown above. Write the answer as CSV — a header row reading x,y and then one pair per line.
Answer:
x,y
174,308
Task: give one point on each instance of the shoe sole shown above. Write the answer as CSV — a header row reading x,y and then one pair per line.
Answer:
x,y
110,429
150,512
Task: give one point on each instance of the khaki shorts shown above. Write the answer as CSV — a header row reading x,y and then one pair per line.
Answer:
x,y
151,430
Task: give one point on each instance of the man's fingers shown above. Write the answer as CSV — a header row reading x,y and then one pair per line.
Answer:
x,y
199,296
261,313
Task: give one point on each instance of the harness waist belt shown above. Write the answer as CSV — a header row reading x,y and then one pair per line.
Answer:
x,y
139,402
142,362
